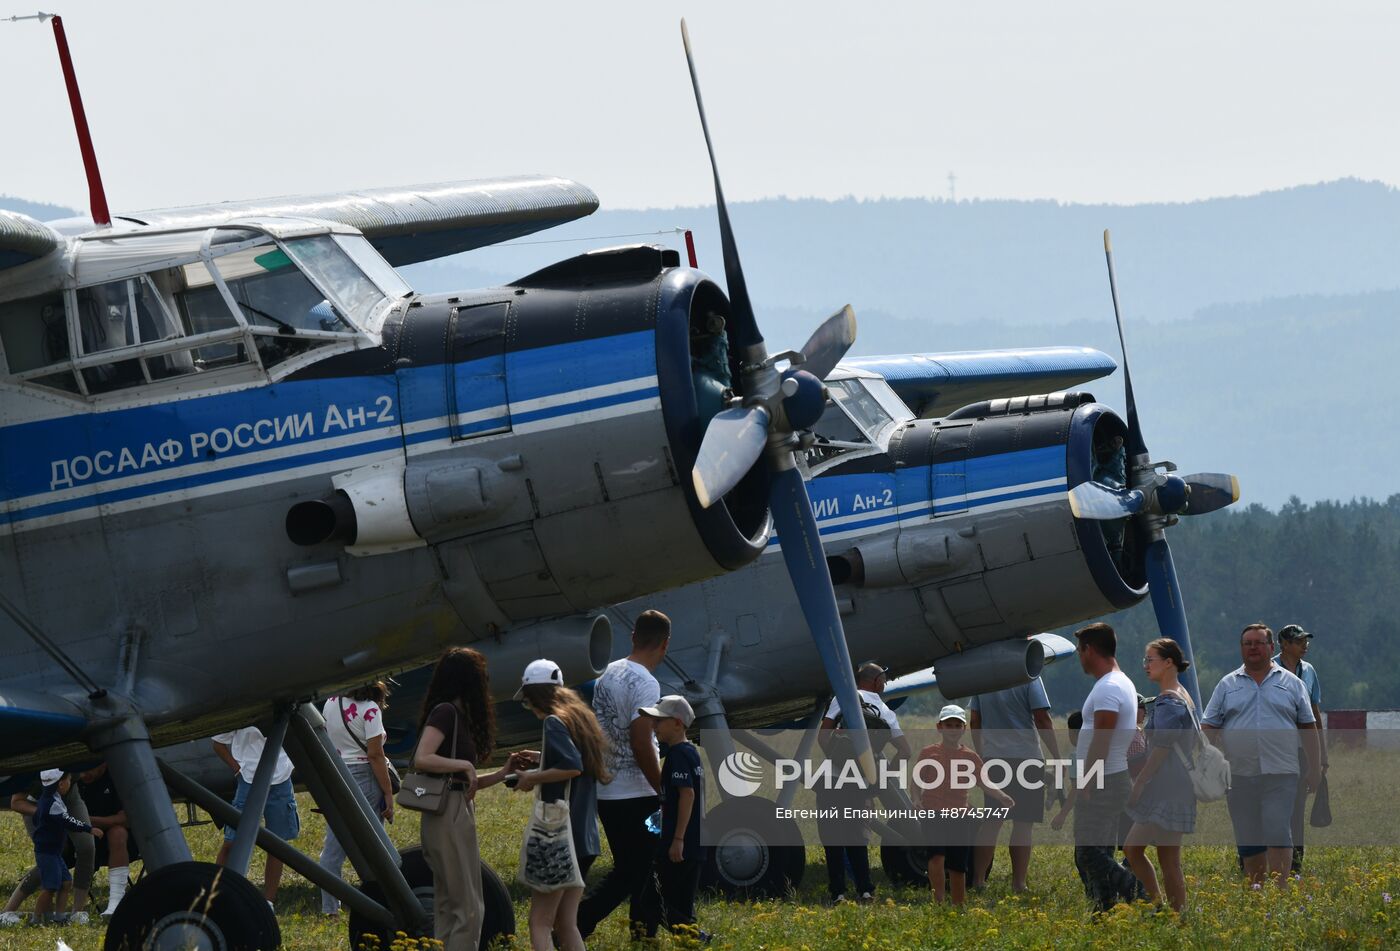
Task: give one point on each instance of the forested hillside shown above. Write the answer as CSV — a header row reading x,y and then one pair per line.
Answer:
x,y
1331,567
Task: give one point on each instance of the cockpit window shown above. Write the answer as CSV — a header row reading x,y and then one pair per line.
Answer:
x,y
373,264
872,418
340,275
122,314
220,298
854,421
118,315
836,426
274,294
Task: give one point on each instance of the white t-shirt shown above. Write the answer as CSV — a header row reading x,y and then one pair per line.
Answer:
x,y
362,718
833,710
1112,692
624,687
247,747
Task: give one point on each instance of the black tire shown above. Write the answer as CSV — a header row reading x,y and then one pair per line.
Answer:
x,y
743,866
904,865
204,903
498,920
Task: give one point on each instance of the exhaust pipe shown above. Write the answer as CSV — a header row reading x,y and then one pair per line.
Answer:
x,y
580,645
323,520
990,667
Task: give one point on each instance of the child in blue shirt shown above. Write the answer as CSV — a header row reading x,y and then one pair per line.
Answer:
x,y
671,897
52,823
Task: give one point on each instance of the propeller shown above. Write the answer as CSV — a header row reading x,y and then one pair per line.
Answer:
x,y
1156,497
1094,500
774,407
1210,491
736,437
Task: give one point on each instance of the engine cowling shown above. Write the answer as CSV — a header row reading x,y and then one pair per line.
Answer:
x,y
549,430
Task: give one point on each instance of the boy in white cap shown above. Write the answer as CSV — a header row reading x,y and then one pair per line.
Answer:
x,y
678,857
950,835
52,823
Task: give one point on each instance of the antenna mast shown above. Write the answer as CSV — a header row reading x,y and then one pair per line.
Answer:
x,y
97,197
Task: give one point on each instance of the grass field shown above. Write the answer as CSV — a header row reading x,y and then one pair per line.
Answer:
x,y
1344,901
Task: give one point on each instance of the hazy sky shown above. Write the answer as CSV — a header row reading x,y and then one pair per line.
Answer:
x,y
1077,101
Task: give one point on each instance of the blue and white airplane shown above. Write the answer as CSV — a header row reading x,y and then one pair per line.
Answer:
x,y
241,460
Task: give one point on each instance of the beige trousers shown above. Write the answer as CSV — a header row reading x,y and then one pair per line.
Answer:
x,y
449,845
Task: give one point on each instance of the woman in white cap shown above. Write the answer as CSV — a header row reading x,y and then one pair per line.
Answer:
x,y
575,754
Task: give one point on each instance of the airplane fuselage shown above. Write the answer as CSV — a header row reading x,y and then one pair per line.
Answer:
x,y
538,435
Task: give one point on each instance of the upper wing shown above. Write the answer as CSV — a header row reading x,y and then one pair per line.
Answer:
x,y
412,223
935,384
22,239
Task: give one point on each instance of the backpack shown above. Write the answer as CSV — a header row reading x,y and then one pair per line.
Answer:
x,y
870,714
842,748
1208,768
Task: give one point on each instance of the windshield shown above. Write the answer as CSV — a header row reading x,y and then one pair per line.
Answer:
x,y
273,293
327,261
865,409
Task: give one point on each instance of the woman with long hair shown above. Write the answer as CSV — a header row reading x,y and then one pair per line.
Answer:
x,y
456,731
355,725
1162,803
575,757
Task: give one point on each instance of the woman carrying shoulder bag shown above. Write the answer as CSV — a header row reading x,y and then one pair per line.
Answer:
x,y
355,724
456,730
571,764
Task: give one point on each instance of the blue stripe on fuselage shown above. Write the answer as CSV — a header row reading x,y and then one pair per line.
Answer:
x,y
844,503
170,445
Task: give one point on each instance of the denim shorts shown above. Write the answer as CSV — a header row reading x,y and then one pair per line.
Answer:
x,y
280,813
53,871
1261,811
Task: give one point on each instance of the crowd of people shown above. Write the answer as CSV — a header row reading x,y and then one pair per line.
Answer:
x,y
602,764
1265,716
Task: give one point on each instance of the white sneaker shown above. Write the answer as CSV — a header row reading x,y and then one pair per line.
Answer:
x,y
78,918
10,918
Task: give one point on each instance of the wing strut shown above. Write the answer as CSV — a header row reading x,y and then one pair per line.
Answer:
x,y
95,692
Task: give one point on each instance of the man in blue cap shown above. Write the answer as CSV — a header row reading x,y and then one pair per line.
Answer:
x,y
1293,645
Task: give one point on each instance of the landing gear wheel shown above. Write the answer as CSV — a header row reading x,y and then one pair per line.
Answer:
x,y
904,865
498,920
193,905
743,865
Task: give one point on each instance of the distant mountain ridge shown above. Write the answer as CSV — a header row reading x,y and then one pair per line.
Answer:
x,y
1018,262
35,209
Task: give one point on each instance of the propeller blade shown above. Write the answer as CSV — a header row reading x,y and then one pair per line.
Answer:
x,y
806,565
1211,491
825,348
1170,609
1135,443
743,327
733,442
1096,501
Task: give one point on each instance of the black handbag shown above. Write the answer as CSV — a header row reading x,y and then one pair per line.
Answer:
x,y
395,784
